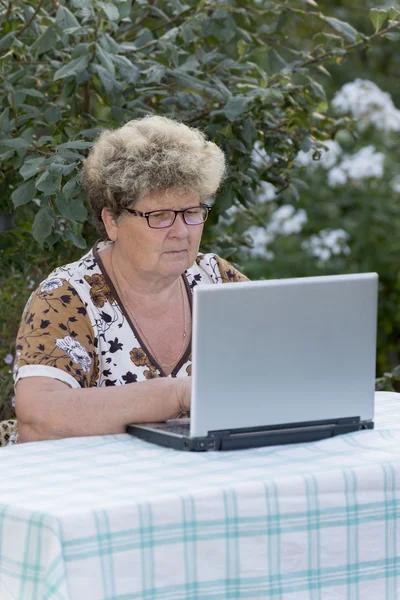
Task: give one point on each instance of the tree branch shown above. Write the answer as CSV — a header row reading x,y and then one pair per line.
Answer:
x,y
20,31
37,151
349,47
9,9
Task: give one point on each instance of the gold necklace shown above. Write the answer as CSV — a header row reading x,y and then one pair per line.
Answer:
x,y
121,295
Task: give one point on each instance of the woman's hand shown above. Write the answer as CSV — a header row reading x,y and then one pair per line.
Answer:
x,y
184,388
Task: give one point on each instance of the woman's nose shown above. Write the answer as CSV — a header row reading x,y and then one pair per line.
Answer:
x,y
179,227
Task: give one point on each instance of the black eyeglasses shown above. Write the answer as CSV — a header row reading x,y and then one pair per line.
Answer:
x,y
159,219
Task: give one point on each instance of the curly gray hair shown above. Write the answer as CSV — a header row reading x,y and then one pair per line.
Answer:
x,y
145,155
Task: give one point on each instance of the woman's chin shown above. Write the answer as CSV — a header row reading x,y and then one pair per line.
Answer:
x,y
177,262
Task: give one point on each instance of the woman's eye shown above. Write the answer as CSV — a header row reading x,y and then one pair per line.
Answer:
x,y
161,215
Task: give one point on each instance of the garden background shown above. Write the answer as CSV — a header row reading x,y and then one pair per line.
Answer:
x,y
302,96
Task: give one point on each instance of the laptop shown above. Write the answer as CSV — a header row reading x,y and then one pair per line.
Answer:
x,y
277,362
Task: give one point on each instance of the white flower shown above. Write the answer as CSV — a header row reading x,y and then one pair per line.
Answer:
x,y
395,184
364,164
336,176
228,215
365,101
328,158
75,350
259,156
326,243
286,220
8,359
51,284
267,192
261,238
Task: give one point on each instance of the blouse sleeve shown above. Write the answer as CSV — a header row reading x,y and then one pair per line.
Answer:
x,y
56,338
228,273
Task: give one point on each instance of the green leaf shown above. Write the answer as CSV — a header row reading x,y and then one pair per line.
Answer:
x,y
106,79
377,16
124,8
235,107
144,37
75,238
74,67
48,183
6,155
32,92
16,143
129,72
61,168
7,41
242,47
19,98
249,131
31,167
70,189
187,34
317,88
69,154
5,120
110,10
346,30
7,57
24,193
72,208
105,60
65,19
224,199
393,13
43,224
77,145
80,50
155,73
52,114
82,3
109,44
45,42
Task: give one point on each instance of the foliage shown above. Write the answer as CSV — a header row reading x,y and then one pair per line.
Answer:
x,y
248,75
349,226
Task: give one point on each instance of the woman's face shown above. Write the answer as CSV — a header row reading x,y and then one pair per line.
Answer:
x,y
166,252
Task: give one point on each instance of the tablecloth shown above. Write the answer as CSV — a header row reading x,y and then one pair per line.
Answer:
x,y
117,518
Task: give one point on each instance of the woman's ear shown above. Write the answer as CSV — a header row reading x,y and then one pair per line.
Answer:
x,y
110,223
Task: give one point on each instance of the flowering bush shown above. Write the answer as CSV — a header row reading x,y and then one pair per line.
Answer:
x,y
347,217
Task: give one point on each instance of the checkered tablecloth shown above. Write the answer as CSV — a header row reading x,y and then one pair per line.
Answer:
x,y
116,518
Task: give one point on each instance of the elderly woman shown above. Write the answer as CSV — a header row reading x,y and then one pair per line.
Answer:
x,y
106,341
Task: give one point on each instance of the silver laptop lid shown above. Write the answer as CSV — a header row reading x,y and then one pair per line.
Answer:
x,y
283,351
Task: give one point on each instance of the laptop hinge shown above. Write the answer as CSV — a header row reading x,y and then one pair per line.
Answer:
x,y
288,433
304,425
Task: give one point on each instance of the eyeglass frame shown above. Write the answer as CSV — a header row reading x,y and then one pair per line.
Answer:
x,y
146,215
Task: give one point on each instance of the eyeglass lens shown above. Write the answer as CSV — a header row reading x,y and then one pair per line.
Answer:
x,y
191,216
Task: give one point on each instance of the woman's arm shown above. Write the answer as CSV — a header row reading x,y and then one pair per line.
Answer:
x,y
48,409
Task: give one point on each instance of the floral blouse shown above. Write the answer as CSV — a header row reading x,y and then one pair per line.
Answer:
x,y
74,327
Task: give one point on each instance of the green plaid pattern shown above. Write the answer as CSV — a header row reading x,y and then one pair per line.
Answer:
x,y
115,518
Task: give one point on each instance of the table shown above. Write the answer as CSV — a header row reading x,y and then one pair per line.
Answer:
x,y
116,518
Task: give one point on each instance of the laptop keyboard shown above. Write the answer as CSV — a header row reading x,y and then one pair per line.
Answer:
x,y
183,429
